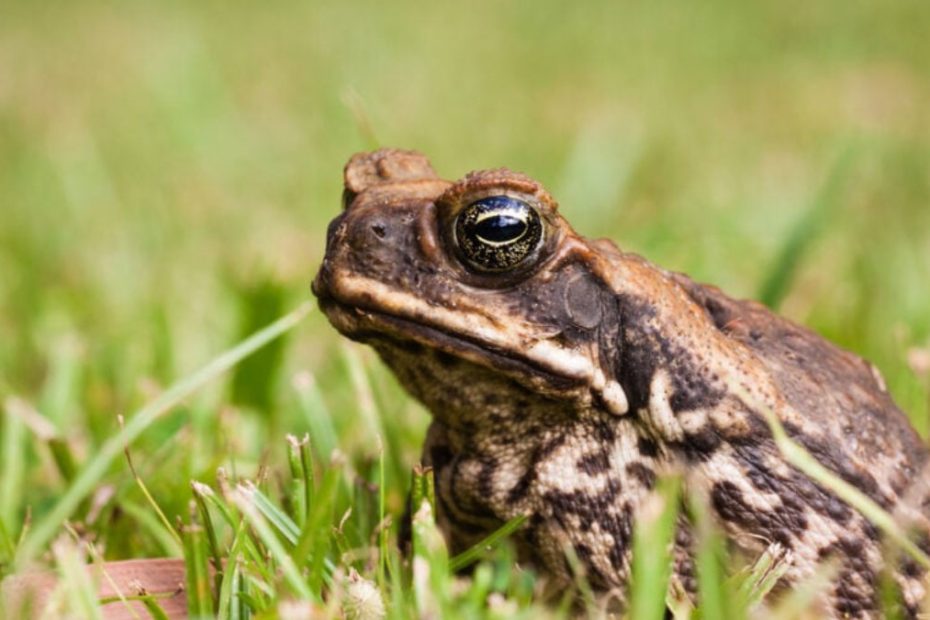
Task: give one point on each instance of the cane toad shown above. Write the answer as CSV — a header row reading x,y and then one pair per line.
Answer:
x,y
564,375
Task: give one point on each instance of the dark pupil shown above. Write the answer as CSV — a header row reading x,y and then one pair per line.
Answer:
x,y
500,228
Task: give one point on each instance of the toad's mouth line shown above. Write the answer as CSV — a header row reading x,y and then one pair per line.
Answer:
x,y
349,302
373,326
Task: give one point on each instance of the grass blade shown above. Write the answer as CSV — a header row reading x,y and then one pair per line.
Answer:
x,y
806,231
245,501
652,561
145,492
315,540
150,601
12,466
274,515
430,564
319,419
229,606
301,483
212,539
481,549
197,570
710,565
755,582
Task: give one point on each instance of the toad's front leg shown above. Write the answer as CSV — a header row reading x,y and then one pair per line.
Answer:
x,y
579,482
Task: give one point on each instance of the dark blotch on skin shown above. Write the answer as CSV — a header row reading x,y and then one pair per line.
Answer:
x,y
486,477
646,476
644,349
694,390
622,532
647,447
639,358
522,487
854,590
594,463
780,525
796,491
618,525
589,508
584,554
604,432
701,444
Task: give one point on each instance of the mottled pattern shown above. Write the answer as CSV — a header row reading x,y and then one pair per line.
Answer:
x,y
562,388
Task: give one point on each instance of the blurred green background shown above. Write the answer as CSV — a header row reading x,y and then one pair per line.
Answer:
x,y
167,173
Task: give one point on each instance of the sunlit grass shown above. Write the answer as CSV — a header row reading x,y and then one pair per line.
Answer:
x,y
166,176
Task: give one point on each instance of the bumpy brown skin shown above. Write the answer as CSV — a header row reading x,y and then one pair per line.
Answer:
x,y
561,390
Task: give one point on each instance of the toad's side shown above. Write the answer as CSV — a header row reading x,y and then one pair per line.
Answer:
x,y
564,376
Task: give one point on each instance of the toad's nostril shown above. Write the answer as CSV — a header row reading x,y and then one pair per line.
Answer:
x,y
379,230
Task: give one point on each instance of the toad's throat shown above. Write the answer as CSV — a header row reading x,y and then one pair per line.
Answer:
x,y
349,301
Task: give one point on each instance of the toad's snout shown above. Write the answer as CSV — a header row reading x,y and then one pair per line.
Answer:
x,y
389,243
387,229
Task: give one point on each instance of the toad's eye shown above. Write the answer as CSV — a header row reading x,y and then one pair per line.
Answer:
x,y
497,233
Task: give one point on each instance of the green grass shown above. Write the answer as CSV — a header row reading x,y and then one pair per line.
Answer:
x,y
167,174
